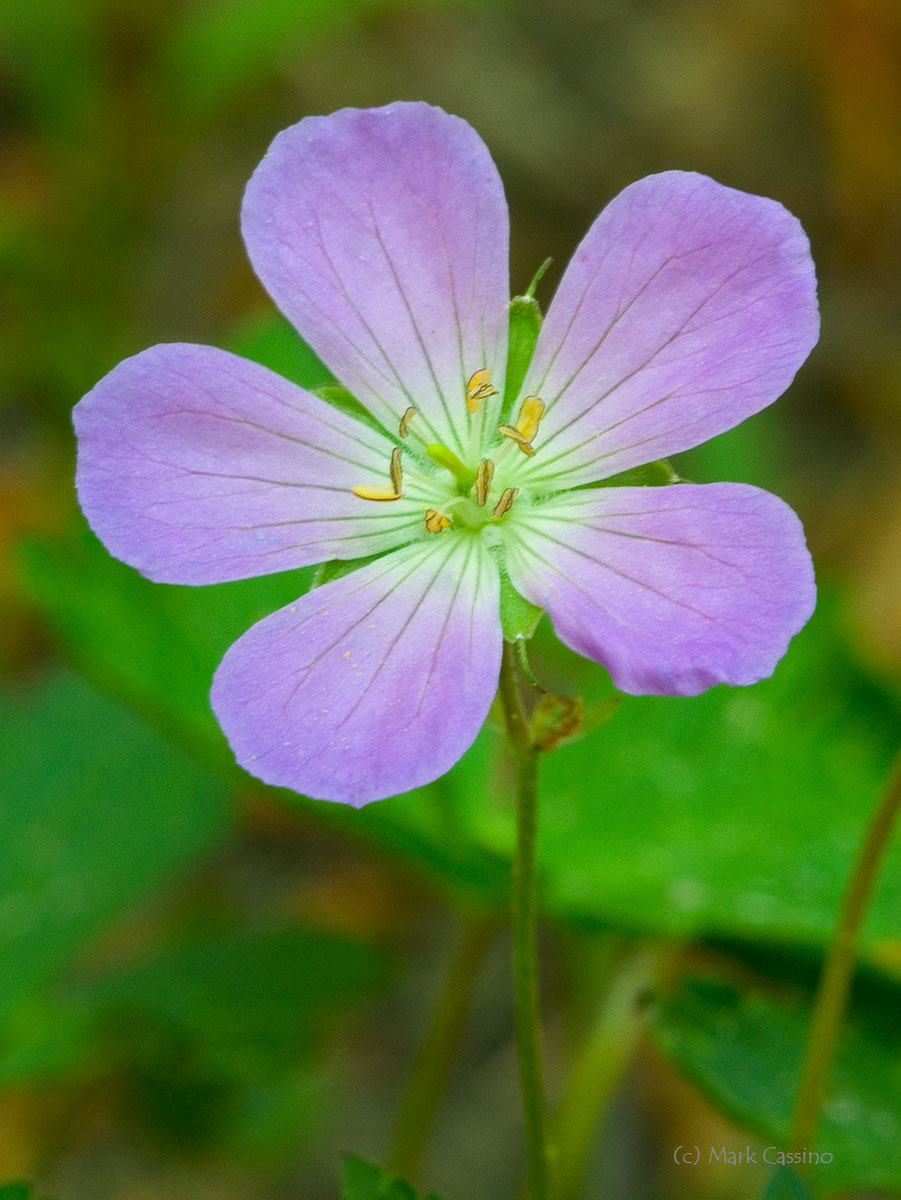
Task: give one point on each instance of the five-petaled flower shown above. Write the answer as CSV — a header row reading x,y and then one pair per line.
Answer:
x,y
382,235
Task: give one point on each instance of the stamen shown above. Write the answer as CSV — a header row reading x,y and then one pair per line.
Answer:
x,y
435,521
505,503
510,431
530,415
397,471
478,389
367,492
484,475
405,420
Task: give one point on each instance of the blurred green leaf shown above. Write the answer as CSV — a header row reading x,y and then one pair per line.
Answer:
x,y
681,816
156,645
786,1184
735,813
743,1047
365,1180
19,1191
221,1039
98,812
248,1001
220,48
340,398
272,341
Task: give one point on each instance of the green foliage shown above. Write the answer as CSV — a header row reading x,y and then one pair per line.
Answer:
x,y
216,51
155,645
220,1036
681,816
736,813
786,1184
365,1180
273,342
18,1191
104,812
250,999
743,1046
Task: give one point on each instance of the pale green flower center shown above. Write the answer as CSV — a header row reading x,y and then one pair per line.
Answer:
x,y
469,494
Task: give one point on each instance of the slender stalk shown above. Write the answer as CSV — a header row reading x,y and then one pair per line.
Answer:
x,y
831,1000
434,1059
525,948
598,1069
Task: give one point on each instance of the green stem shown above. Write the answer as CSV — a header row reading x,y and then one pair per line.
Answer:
x,y
598,1068
525,949
434,1059
831,1000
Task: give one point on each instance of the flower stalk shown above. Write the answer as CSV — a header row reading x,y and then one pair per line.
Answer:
x,y
833,991
428,1078
525,940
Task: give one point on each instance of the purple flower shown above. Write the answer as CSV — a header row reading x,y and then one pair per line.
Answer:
x,y
382,236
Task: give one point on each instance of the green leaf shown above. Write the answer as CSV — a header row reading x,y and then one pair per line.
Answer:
x,y
18,1191
365,1180
214,56
786,1184
736,813
743,1045
104,811
155,645
273,342
247,1001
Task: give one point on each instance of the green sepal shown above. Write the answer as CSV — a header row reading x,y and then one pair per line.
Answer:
x,y
339,397
559,718
786,1184
652,474
337,568
362,1179
519,616
525,322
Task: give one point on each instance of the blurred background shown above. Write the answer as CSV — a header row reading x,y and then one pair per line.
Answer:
x,y
210,989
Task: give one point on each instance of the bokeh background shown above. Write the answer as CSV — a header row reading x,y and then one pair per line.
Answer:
x,y
212,990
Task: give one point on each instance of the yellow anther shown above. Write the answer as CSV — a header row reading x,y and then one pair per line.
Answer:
x,y
510,431
405,420
397,471
484,475
435,521
367,492
478,389
505,503
530,414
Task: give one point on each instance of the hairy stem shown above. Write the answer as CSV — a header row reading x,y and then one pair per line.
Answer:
x,y
434,1059
831,1000
525,950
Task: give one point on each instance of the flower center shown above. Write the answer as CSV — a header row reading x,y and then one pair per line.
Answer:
x,y
466,497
